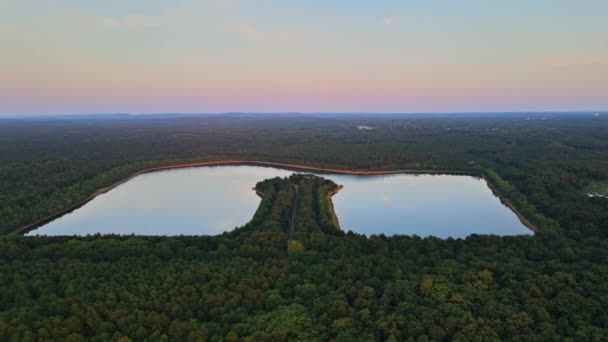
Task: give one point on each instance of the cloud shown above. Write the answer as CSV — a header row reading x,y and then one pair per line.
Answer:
x,y
15,32
251,34
576,63
223,4
133,21
388,21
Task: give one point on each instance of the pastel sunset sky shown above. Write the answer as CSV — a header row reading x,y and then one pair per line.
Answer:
x,y
76,56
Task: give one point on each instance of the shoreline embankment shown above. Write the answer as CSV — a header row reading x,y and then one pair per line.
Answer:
x,y
334,217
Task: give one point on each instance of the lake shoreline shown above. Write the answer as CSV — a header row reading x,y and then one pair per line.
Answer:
x,y
506,202
334,217
296,167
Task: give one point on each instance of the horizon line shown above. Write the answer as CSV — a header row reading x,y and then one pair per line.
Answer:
x,y
590,111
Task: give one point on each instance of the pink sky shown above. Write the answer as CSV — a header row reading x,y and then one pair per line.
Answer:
x,y
222,56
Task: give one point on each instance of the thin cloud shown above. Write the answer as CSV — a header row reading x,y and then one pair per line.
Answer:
x,y
129,21
388,21
223,4
133,21
250,33
16,32
580,63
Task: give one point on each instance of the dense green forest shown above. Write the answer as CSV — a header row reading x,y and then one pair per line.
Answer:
x,y
252,284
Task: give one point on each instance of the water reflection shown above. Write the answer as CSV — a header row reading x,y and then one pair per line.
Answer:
x,y
211,200
439,205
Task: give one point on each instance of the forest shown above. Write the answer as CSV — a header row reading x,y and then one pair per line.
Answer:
x,y
259,283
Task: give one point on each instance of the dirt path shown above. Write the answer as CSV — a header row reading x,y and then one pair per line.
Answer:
x,y
292,222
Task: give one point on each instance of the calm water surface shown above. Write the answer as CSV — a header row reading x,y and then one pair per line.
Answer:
x,y
212,200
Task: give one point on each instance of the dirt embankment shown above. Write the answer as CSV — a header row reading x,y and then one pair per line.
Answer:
x,y
258,192
510,205
291,234
334,217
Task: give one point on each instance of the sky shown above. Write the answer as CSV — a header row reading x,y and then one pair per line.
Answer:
x,y
187,56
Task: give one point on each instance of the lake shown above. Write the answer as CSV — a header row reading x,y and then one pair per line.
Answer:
x,y
213,199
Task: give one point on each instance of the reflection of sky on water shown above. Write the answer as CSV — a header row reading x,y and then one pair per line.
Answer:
x,y
440,205
211,200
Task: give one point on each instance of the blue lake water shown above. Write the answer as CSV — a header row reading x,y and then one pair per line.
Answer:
x,y
214,199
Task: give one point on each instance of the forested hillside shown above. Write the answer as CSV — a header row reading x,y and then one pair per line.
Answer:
x,y
252,284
